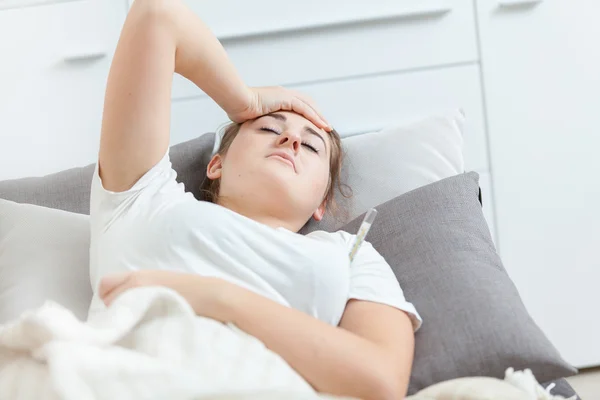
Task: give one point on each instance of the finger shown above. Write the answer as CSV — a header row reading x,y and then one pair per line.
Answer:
x,y
308,112
112,296
312,104
111,282
118,290
305,98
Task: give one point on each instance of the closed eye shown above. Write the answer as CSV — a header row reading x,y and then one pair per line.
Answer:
x,y
305,144
311,147
270,130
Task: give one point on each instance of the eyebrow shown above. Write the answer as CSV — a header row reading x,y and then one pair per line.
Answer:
x,y
308,129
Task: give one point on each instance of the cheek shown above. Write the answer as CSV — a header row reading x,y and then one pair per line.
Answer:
x,y
319,179
241,161
236,154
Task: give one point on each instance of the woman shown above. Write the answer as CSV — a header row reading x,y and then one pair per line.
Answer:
x,y
238,258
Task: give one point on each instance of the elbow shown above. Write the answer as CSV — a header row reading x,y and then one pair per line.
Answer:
x,y
152,22
153,10
152,5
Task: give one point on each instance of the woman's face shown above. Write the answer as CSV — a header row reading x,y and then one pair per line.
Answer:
x,y
279,163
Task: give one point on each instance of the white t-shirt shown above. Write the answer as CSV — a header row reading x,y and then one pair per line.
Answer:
x,y
157,225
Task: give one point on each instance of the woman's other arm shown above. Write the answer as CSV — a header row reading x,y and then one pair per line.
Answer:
x,y
369,356
159,37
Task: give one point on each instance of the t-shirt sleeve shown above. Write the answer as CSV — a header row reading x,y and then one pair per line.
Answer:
x,y
372,279
157,187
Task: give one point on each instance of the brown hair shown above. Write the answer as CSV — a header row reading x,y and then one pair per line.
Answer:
x,y
210,188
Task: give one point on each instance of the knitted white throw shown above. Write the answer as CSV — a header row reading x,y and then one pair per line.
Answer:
x,y
150,345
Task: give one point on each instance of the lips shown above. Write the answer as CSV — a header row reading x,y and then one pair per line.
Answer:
x,y
285,157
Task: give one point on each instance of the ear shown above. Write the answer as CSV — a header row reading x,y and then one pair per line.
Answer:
x,y
214,167
320,212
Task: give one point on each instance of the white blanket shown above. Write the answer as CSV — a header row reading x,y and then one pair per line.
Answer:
x,y
517,385
151,345
148,345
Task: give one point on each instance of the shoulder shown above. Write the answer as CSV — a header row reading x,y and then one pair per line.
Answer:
x,y
339,237
155,188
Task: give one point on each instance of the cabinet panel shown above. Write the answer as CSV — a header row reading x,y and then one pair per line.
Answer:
x,y
6,4
53,76
319,40
540,64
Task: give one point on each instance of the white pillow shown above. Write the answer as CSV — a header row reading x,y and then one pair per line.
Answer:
x,y
44,254
382,165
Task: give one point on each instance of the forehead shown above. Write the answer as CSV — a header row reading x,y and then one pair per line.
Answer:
x,y
293,118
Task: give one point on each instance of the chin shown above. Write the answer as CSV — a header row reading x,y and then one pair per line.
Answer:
x,y
278,172
278,187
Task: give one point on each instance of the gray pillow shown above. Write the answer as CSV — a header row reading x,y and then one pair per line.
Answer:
x,y
474,322
560,387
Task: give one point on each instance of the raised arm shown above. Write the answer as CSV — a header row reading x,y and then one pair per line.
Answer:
x,y
159,37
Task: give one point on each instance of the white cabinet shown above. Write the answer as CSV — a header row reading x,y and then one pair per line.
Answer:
x,y
541,64
318,40
55,61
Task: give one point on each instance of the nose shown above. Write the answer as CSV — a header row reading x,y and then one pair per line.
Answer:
x,y
289,139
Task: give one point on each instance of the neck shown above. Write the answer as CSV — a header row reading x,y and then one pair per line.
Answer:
x,y
259,214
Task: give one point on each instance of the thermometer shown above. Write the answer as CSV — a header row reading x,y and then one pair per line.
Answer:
x,y
362,231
